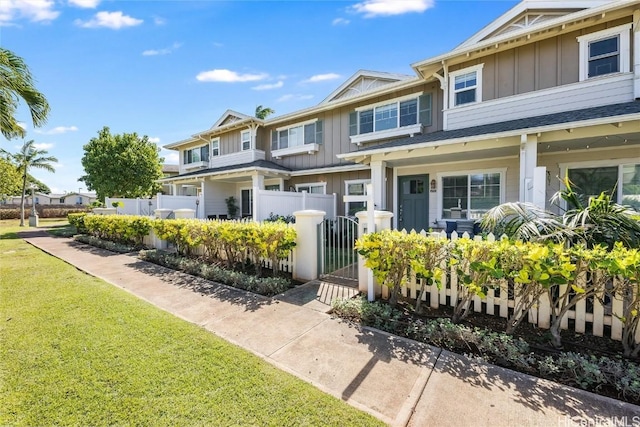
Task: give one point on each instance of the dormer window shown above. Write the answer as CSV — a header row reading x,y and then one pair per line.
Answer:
x,y
605,52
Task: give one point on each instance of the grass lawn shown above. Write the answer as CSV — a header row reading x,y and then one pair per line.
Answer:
x,y
75,350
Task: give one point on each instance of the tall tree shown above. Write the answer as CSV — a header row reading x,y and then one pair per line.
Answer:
x,y
121,165
27,158
17,83
263,112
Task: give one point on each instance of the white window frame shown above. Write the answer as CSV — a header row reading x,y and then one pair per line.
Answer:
x,y
564,168
296,149
452,85
623,32
346,190
214,142
198,163
440,176
312,184
242,141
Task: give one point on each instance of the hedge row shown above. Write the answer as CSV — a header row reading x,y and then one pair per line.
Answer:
x,y
564,275
43,212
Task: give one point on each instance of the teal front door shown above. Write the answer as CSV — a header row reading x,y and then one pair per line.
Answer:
x,y
413,202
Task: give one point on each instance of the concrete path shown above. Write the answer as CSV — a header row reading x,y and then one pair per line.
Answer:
x,y
402,382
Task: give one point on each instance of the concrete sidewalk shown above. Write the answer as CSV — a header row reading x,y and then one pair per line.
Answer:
x,y
400,381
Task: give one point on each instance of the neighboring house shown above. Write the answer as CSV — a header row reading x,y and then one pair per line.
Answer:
x,y
84,199
550,88
167,172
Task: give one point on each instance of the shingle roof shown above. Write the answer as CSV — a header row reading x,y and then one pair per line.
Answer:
x,y
265,164
511,125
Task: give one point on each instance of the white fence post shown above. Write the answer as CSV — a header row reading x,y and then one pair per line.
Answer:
x,y
305,266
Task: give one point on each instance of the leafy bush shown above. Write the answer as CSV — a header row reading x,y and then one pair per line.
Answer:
x,y
268,286
127,229
104,244
44,211
77,220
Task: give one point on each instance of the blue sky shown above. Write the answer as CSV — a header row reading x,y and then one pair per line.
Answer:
x,y
168,69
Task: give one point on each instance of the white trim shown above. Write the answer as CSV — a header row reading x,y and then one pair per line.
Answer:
x,y
440,175
624,49
295,125
298,149
346,190
195,165
388,133
242,140
452,82
399,99
318,171
313,184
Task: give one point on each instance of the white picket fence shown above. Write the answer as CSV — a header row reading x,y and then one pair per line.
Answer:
x,y
589,314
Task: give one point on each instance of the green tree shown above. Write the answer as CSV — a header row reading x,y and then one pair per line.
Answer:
x,y
263,112
121,165
9,179
27,158
17,83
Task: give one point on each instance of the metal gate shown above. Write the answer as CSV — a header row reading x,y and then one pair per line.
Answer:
x,y
337,257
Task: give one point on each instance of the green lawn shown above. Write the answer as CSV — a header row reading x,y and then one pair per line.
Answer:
x,y
75,350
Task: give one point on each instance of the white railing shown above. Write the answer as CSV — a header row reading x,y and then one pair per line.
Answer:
x,y
287,202
500,300
238,158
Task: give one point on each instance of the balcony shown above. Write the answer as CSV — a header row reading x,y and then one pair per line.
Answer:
x,y
238,158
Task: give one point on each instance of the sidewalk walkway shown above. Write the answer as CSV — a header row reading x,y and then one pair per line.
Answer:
x,y
402,382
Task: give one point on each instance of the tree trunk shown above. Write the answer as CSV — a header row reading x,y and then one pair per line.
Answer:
x,y
24,189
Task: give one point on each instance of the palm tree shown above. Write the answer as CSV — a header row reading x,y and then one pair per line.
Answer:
x,y
30,157
16,83
262,113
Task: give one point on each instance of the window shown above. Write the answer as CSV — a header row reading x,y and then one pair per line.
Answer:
x,y
297,136
62,201
196,155
215,147
246,202
591,181
355,188
245,140
273,187
37,200
605,52
465,86
401,113
470,196
79,200
318,188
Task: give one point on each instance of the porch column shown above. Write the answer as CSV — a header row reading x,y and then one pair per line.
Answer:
x,y
257,183
378,180
174,190
528,162
636,54
201,211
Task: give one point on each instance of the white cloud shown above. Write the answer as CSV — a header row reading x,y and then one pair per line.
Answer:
x,y
158,20
322,78
112,20
33,10
165,51
86,4
373,8
154,139
43,145
57,130
269,86
340,21
228,76
293,97
23,125
170,157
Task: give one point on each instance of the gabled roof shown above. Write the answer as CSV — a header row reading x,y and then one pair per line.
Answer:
x,y
364,81
530,13
629,109
228,117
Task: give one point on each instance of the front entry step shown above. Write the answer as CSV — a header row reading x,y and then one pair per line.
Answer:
x,y
318,295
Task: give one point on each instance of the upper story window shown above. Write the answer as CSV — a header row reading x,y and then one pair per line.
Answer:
x,y
215,147
297,135
389,115
196,155
465,86
605,52
245,140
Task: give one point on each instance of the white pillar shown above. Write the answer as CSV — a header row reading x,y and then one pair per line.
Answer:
x,y
378,179
201,213
305,254
636,54
257,183
528,163
539,196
